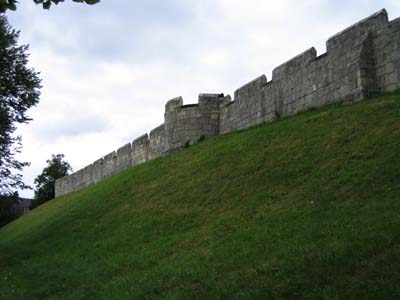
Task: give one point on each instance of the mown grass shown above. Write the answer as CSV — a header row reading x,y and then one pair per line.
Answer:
x,y
307,207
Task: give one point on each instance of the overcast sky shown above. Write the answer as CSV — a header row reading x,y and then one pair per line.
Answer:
x,y
108,69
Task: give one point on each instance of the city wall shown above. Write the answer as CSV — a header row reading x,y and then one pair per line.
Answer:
x,y
361,61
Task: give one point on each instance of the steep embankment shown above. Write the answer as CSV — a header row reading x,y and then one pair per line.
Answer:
x,y
307,207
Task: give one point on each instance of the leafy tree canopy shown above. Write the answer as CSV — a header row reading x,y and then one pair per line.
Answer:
x,y
7,209
19,90
45,182
12,4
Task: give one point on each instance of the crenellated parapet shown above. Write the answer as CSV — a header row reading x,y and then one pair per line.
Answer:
x,y
360,61
186,124
140,150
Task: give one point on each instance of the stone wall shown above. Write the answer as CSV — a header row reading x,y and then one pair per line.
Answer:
x,y
183,124
157,142
248,108
186,124
386,53
360,61
346,72
140,150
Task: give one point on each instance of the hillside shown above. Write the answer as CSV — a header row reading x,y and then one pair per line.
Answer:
x,y
307,207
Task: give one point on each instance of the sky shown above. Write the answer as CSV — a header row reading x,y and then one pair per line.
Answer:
x,y
109,69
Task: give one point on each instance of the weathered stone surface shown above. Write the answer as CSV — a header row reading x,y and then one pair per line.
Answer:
x,y
362,60
97,170
248,108
140,150
157,142
124,158
110,163
186,124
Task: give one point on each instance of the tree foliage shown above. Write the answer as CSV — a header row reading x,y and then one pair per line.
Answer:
x,y
12,4
45,182
19,90
7,209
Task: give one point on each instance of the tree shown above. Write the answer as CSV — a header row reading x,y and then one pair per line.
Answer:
x,y
19,91
7,209
12,4
45,182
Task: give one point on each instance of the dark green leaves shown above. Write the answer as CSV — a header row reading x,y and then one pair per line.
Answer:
x,y
8,5
90,2
45,182
46,4
19,91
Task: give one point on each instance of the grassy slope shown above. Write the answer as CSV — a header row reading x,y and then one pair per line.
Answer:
x,y
307,207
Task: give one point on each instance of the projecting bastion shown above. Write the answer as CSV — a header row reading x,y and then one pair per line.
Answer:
x,y
361,61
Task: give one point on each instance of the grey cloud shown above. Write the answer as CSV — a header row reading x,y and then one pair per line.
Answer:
x,y
116,30
72,125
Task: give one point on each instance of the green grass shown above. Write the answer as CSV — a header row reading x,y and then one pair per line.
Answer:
x,y
307,207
